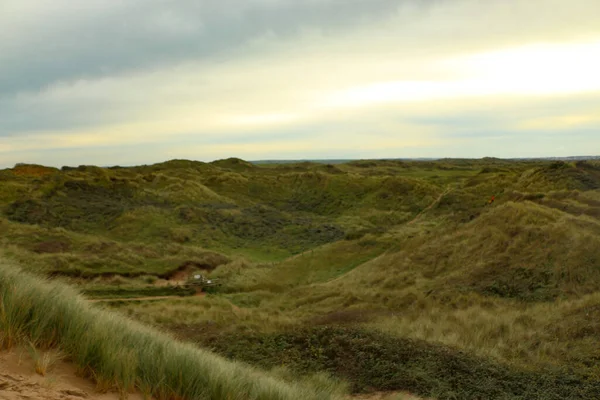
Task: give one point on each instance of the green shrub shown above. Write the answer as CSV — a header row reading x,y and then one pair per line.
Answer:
x,y
377,362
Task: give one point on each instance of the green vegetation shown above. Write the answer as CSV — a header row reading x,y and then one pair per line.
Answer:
x,y
119,353
390,275
372,360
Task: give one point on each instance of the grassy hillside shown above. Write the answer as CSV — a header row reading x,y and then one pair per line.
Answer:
x,y
391,275
121,354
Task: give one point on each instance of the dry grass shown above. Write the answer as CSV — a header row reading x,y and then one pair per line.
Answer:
x,y
43,360
120,353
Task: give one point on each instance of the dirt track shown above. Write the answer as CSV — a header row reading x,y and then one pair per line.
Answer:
x,y
429,207
149,298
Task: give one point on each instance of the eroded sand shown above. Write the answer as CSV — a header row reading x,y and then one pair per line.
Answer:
x,y
18,381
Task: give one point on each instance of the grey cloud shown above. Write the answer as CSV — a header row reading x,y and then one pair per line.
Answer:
x,y
45,42
150,34
17,119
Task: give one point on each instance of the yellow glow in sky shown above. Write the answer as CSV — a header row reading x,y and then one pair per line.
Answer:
x,y
532,70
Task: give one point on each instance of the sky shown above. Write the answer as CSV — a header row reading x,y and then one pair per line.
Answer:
x,y
126,82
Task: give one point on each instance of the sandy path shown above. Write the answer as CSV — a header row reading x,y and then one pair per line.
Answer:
x,y
18,381
150,298
429,207
345,275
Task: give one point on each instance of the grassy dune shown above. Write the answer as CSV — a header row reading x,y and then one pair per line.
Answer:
x,y
389,275
122,354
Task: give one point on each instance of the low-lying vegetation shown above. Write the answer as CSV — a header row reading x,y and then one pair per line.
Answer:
x,y
389,275
373,361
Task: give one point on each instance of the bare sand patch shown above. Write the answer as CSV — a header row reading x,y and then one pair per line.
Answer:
x,y
19,381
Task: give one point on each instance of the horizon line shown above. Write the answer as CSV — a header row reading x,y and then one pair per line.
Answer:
x,y
329,160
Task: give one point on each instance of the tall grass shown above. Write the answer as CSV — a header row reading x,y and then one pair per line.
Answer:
x,y
122,354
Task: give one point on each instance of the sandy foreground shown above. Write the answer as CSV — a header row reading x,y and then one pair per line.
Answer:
x,y
19,381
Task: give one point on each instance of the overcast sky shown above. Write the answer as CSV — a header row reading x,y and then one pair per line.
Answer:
x,y
127,82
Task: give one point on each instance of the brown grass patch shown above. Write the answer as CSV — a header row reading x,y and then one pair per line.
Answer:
x,y
52,247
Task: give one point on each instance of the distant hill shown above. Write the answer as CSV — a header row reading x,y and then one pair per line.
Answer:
x,y
342,161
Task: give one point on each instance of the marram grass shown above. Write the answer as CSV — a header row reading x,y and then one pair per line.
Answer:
x,y
125,355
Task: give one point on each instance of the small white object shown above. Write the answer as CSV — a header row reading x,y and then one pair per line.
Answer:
x,y
197,276
208,281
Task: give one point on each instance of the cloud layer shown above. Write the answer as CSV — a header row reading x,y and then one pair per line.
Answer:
x,y
103,82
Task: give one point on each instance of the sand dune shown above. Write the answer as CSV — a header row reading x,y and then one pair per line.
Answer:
x,y
19,381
